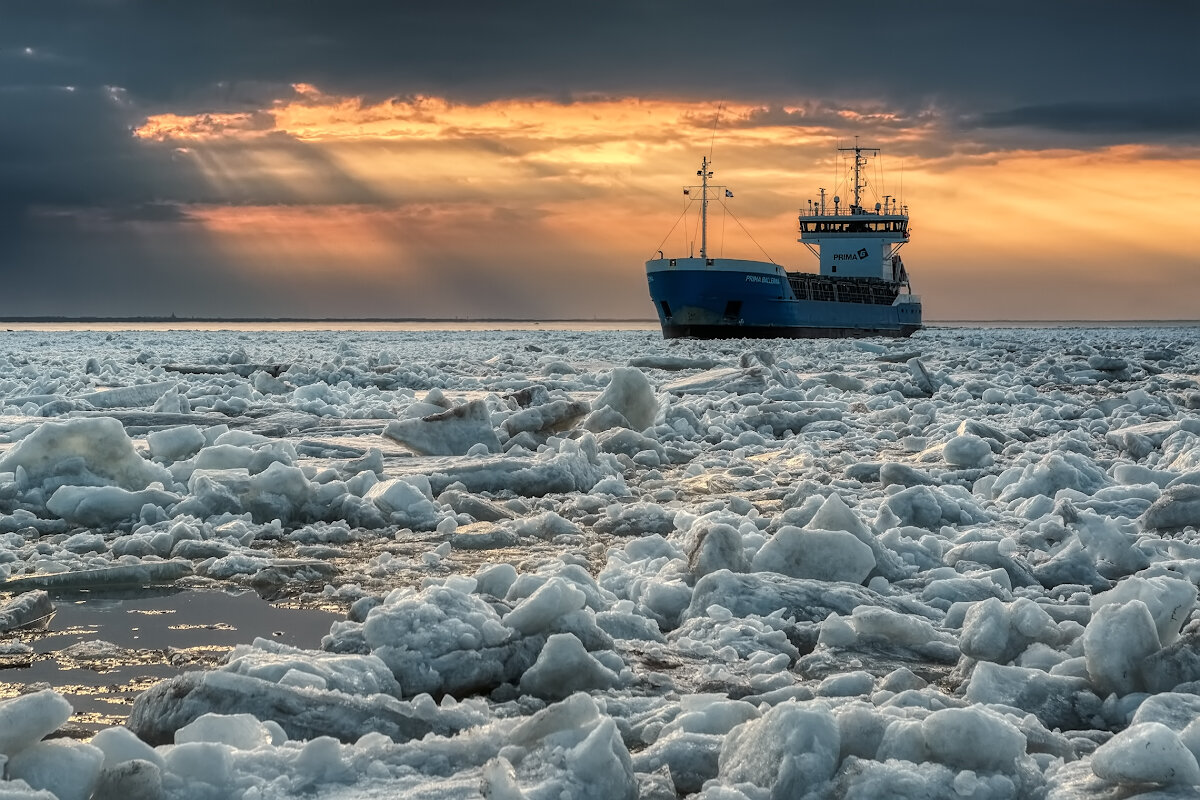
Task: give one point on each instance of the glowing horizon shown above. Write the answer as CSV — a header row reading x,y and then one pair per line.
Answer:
x,y
597,178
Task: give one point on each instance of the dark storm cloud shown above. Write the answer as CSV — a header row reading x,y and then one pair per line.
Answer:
x,y
1132,118
230,53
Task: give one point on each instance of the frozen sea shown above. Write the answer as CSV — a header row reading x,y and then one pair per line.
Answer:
x,y
574,560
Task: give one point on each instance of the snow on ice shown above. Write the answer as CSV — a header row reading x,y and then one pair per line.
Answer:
x,y
603,565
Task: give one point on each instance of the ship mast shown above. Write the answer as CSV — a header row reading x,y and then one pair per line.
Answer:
x,y
704,174
860,161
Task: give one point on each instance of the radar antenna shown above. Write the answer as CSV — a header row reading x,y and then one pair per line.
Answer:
x,y
860,161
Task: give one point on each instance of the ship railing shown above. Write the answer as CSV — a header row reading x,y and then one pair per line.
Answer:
x,y
867,291
816,211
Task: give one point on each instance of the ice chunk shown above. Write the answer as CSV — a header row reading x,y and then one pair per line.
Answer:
x,y
1176,710
119,744
1000,553
630,443
967,451
861,728
137,779
351,673
873,625
556,415
817,554
1149,752
782,417
145,574
442,640
717,547
725,379
141,395
24,720
105,505
239,731
1057,470
565,667
574,466
893,473
847,684
31,609
173,444
761,593
100,443
202,763
835,515
690,759
281,492
499,781
447,433
630,394
671,363
1115,642
627,624
636,519
68,769
404,501
538,612
1107,362
710,713
930,507
999,632
1059,701
495,579
760,640
603,419
573,737
1176,663
477,508
546,525
1178,507
1169,600
169,705
905,780
791,751
973,738
924,380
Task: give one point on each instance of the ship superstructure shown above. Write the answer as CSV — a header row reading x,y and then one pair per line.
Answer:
x,y
861,287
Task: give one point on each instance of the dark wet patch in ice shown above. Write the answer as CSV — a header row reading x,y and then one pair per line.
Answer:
x,y
102,649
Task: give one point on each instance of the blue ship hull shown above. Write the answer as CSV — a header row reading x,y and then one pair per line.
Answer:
x,y
728,298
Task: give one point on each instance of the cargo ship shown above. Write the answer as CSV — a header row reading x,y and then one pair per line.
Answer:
x,y
860,289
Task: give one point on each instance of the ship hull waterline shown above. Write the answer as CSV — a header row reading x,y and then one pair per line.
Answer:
x,y
733,331
734,299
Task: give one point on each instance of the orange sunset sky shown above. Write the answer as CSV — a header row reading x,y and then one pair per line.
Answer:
x,y
398,181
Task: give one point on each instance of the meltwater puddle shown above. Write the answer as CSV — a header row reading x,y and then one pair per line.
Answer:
x,y
102,649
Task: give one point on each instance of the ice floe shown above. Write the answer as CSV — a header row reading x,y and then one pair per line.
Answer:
x,y
603,565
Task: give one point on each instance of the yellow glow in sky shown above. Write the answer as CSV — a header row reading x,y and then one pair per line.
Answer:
x,y
527,192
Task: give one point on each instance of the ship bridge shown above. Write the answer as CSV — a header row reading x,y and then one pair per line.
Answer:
x,y
854,242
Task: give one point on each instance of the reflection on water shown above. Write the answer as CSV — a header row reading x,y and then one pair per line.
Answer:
x,y
102,649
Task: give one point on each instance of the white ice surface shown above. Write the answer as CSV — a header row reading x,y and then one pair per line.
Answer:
x,y
961,565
